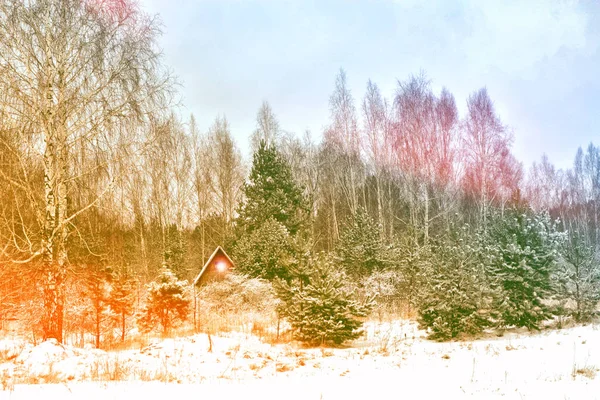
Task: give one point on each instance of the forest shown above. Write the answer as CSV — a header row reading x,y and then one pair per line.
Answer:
x,y
111,199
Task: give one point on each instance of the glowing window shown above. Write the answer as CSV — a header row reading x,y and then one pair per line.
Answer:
x,y
221,266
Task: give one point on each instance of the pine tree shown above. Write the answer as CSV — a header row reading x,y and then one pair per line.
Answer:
x,y
271,193
360,250
579,275
521,251
319,307
453,299
167,302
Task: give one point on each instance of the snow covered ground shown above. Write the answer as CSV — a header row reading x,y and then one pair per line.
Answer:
x,y
393,361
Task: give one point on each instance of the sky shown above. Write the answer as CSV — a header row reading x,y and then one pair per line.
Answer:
x,y
540,61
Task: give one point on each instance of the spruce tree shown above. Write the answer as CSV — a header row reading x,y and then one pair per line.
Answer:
x,y
521,251
319,307
271,192
360,250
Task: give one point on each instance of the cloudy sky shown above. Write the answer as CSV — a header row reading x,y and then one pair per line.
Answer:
x,y
540,60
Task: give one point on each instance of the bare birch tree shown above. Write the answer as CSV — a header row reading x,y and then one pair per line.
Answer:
x,y
344,135
227,172
375,138
267,127
71,72
490,168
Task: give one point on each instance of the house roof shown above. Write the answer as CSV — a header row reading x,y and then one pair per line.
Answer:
x,y
210,259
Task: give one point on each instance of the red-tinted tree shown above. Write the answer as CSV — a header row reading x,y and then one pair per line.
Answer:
x,y
492,173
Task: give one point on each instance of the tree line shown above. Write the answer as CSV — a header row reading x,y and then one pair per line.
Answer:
x,y
104,181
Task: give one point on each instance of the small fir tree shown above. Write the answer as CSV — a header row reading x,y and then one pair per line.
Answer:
x,y
410,261
360,250
521,251
319,307
167,302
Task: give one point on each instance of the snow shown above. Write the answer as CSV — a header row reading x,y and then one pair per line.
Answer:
x,y
393,360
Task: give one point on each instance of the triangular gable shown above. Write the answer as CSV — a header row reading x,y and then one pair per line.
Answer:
x,y
210,260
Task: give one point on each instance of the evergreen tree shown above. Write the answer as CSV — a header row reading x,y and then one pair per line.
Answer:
x,y
579,275
360,250
266,252
454,298
320,307
521,251
167,302
271,193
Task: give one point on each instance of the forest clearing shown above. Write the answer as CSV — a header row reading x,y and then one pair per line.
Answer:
x,y
393,358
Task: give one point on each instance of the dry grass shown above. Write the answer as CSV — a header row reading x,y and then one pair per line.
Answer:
x,y
281,367
587,371
10,353
7,380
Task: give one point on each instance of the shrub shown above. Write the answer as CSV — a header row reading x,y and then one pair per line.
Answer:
x,y
237,298
452,299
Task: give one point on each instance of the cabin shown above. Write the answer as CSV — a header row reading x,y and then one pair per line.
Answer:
x,y
216,267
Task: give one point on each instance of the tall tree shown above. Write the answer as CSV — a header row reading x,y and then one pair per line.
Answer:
x,y
491,171
227,173
343,135
202,183
376,137
424,143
